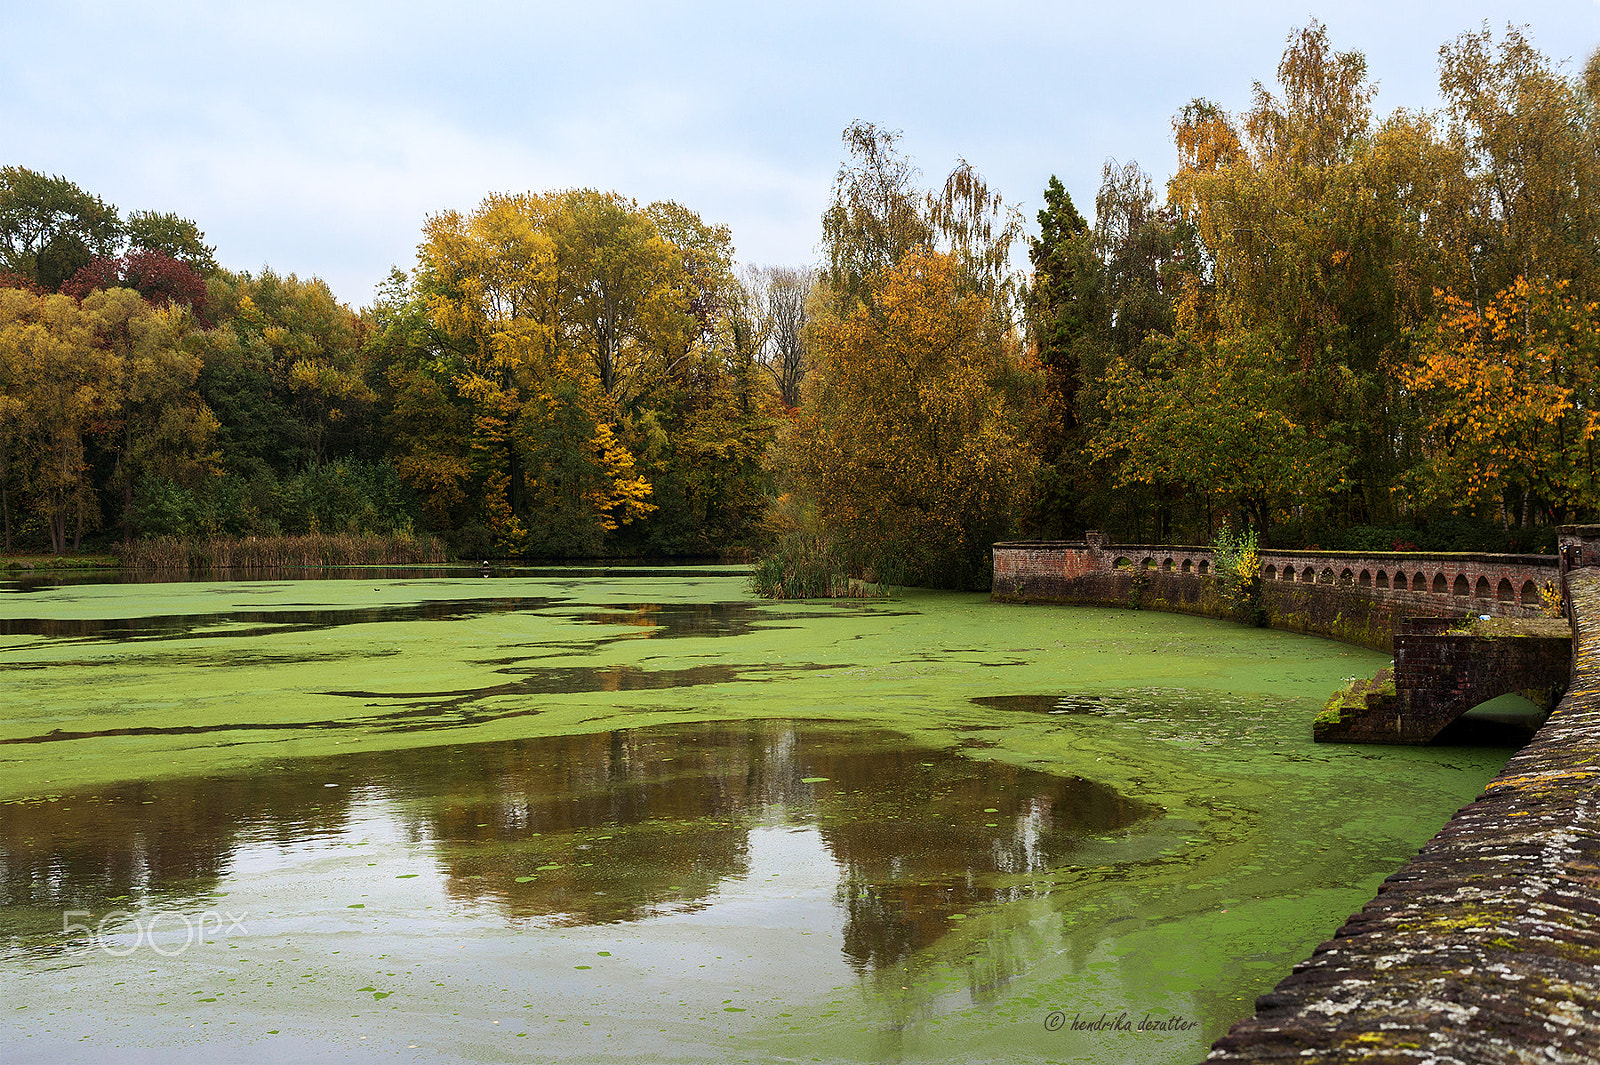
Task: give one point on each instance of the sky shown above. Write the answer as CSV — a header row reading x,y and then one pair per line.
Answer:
x,y
315,138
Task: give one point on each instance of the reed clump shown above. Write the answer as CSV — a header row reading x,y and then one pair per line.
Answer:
x,y
806,566
193,554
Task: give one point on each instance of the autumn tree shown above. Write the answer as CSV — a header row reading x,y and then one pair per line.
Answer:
x,y
1530,138
157,276
875,217
592,342
1508,399
1324,237
906,442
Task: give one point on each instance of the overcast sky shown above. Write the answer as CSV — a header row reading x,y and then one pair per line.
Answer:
x,y
316,137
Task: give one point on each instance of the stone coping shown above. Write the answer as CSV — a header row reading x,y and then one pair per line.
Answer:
x,y
1155,550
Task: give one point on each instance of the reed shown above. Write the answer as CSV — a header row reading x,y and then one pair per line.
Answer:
x,y
804,566
192,554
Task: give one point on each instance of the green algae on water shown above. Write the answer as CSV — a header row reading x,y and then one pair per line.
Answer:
x,y
773,808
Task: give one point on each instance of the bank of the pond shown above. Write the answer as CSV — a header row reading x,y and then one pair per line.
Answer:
x,y
208,720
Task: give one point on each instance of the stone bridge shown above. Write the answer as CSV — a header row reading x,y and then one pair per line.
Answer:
x,y
1443,668
1484,949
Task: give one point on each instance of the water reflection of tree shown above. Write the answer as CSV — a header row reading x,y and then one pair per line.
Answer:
x,y
604,827
922,851
119,847
622,822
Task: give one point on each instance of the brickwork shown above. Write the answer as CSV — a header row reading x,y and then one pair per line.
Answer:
x,y
1439,674
1357,597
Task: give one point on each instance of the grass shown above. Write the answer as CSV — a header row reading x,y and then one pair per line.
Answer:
x,y
169,554
38,562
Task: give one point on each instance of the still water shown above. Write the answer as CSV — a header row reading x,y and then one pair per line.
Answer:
x,y
581,817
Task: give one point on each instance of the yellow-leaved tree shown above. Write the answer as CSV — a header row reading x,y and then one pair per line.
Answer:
x,y
1506,397
907,439
555,313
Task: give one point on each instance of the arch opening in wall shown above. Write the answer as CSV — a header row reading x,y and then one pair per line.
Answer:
x,y
1328,577
1530,594
1308,575
1205,566
1461,589
1148,563
1166,566
1188,565
1507,720
1347,578
1123,563
1366,578
1383,579
1440,585
1288,573
1270,573
1505,593
1419,583
1400,582
1481,589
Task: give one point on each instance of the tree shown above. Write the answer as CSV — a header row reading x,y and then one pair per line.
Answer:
x,y
1533,148
162,428
1324,239
567,323
1509,403
69,386
775,299
50,228
1214,420
158,277
172,236
629,309
876,215
908,443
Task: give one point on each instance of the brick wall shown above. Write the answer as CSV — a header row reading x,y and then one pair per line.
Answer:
x,y
1353,596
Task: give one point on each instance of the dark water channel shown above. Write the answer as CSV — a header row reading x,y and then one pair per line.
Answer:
x,y
595,817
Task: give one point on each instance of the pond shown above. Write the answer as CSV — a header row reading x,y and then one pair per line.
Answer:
x,y
592,816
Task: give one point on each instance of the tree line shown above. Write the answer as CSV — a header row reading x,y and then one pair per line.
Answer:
x,y
1339,328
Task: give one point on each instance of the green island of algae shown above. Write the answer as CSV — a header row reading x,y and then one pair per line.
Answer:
x,y
646,816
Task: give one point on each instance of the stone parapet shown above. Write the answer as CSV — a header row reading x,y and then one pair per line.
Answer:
x,y
1359,597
